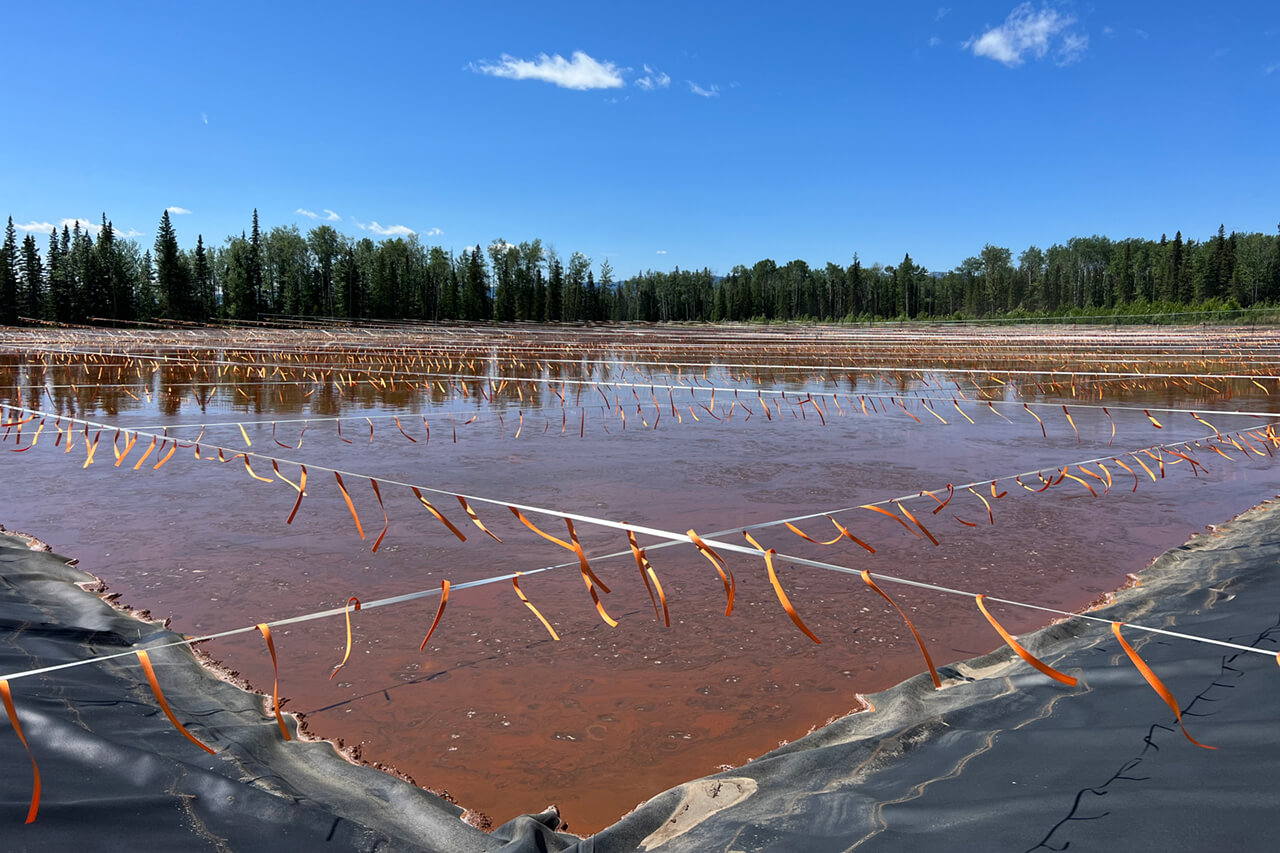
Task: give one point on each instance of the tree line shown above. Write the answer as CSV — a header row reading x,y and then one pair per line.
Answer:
x,y
94,275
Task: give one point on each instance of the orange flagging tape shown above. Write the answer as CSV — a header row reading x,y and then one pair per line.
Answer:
x,y
916,522
515,582
1021,652
642,564
1037,417
302,485
845,533
730,586
164,705
166,458
1130,470
1156,684
444,599
253,475
386,520
350,602
150,448
589,577
439,517
779,591
17,728
933,673
884,511
797,531
275,678
347,497
951,493
475,519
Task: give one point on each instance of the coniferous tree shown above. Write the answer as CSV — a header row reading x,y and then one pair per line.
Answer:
x,y
9,277
253,261
1273,291
148,299
173,279
475,301
555,289
202,275
32,301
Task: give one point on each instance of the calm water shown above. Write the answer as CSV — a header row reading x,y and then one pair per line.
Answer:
x,y
493,710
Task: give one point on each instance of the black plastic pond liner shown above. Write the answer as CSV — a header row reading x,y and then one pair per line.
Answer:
x,y
1001,758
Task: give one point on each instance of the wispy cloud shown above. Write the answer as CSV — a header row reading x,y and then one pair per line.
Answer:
x,y
712,92
85,225
204,117
329,216
1268,70
1030,32
942,13
34,227
386,230
582,72
432,232
653,79
662,251
934,41
178,211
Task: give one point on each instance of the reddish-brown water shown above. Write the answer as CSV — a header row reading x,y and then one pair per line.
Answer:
x,y
496,712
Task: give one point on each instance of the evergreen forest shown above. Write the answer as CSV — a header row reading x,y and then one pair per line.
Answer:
x,y
91,275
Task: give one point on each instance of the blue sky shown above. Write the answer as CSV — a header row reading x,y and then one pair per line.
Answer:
x,y
663,134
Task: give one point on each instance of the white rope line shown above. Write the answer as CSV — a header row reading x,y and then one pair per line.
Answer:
x,y
670,538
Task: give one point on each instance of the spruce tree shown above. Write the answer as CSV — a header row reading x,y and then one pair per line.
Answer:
x,y
9,277
555,289
173,279
1273,291
32,301
203,280
254,271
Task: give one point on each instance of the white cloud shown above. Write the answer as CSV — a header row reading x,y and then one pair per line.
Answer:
x,y
432,232
85,225
581,72
934,41
713,92
1073,47
329,216
386,230
204,117
662,251
177,211
1142,34
41,227
942,13
34,227
653,79
1268,70
1028,31
1108,31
